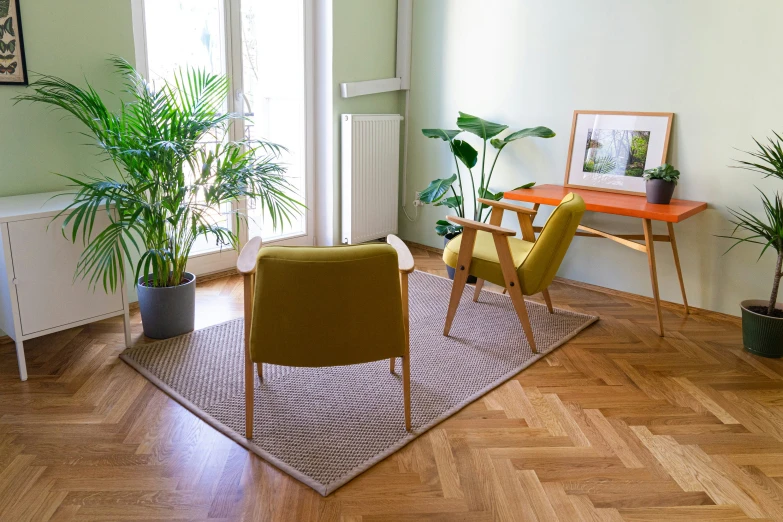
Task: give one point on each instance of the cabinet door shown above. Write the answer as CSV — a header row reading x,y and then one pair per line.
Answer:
x,y
44,266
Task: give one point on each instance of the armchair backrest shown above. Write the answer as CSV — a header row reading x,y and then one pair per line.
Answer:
x,y
543,261
327,306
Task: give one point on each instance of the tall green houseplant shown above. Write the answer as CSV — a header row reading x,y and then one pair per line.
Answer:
x,y
766,231
172,167
762,320
450,192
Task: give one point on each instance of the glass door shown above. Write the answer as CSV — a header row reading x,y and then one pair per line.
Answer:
x,y
263,47
276,99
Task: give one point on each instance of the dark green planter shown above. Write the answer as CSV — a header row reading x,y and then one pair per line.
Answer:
x,y
762,335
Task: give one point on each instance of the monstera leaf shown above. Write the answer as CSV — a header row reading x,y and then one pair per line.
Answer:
x,y
445,135
481,128
533,132
436,190
465,152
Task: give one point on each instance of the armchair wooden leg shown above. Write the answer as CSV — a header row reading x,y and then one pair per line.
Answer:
x,y
406,358
406,390
248,361
548,301
260,372
461,275
514,288
391,365
477,293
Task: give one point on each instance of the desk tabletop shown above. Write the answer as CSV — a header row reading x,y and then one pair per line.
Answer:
x,y
611,203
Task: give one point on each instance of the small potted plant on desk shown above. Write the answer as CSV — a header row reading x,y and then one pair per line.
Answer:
x,y
762,320
174,172
660,184
450,192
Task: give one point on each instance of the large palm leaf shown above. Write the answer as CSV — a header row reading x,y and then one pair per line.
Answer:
x,y
174,166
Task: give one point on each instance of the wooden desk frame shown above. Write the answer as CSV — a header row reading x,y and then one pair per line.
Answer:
x,y
646,247
627,206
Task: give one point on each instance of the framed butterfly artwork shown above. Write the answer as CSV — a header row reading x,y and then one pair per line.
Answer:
x,y
13,69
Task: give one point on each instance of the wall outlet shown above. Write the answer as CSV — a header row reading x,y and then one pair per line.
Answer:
x,y
417,202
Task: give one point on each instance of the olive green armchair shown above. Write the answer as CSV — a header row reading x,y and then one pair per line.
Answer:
x,y
327,306
524,266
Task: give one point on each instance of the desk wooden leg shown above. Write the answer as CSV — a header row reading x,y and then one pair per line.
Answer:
x,y
649,240
677,265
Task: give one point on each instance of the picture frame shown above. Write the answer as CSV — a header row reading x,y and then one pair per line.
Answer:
x,y
13,65
610,150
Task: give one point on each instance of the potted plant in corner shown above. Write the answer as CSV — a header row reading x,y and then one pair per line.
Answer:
x,y
660,184
450,192
762,320
175,167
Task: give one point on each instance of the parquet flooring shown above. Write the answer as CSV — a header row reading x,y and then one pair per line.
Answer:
x,y
619,424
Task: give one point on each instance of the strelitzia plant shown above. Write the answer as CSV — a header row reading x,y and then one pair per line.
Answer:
x,y
767,230
437,193
174,167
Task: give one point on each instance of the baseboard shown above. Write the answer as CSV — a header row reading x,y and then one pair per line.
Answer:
x,y
424,247
676,307
619,293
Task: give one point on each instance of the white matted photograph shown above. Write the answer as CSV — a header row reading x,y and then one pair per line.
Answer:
x,y
611,150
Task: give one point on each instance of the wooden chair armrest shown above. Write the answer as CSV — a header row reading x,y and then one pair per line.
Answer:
x,y
508,206
484,227
404,257
246,263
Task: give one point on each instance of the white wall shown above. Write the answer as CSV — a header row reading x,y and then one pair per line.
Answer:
x,y
532,62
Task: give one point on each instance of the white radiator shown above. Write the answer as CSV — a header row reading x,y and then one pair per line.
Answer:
x,y
370,176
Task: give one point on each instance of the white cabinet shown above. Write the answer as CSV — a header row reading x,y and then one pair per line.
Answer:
x,y
38,293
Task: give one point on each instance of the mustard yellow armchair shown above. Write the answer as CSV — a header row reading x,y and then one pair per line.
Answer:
x,y
523,266
329,306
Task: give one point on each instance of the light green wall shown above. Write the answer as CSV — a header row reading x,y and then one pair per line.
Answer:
x,y
71,40
532,62
364,48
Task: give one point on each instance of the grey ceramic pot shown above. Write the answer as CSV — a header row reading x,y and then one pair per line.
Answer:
x,y
169,311
659,191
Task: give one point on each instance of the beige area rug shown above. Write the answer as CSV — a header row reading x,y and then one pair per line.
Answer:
x,y
325,426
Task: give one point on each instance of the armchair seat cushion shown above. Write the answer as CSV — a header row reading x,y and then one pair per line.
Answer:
x,y
485,264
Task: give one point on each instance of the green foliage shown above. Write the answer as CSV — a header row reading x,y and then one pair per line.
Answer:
x,y
168,178
639,145
436,190
601,165
447,228
464,153
769,158
766,231
665,172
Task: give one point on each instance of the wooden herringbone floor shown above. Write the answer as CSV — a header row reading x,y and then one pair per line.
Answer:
x,y
617,425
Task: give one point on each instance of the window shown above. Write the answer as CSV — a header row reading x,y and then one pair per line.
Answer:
x,y
263,47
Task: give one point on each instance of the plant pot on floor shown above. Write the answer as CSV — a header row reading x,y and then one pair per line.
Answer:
x,y
659,191
168,311
471,279
762,334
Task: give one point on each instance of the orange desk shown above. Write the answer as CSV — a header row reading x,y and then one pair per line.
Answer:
x,y
623,205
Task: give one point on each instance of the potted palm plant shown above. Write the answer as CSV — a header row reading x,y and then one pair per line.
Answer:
x,y
762,320
450,192
174,167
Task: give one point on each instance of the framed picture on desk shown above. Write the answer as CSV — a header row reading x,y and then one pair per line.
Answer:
x,y
610,150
